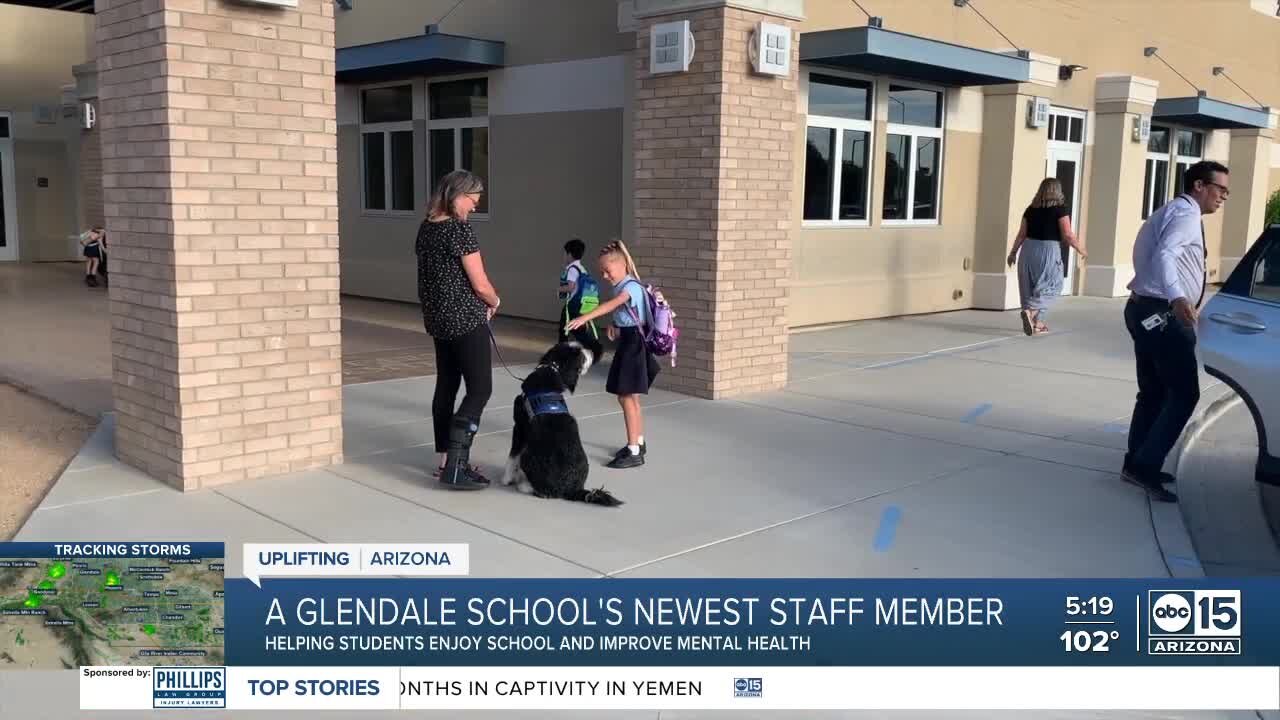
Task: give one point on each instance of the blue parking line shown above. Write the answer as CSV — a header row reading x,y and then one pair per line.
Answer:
x,y
977,412
888,531
1183,561
1116,427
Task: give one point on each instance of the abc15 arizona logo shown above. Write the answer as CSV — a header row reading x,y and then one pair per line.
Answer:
x,y
1194,622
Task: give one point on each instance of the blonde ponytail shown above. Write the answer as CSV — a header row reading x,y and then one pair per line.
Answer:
x,y
619,249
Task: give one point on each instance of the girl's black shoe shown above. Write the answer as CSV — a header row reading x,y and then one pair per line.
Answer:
x,y
626,459
644,450
91,280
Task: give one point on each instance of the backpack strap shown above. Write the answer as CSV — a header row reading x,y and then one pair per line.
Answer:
x,y
639,323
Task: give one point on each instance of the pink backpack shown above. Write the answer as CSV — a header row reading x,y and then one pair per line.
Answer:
x,y
661,334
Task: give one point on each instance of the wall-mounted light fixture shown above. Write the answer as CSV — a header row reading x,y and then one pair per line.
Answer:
x,y
1066,71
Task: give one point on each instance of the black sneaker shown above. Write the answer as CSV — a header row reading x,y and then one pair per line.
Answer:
x,y
1151,483
644,450
626,459
91,281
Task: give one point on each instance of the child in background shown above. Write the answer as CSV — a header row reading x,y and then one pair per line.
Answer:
x,y
579,293
634,368
93,243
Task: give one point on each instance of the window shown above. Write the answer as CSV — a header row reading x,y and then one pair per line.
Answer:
x,y
913,155
386,148
458,128
837,150
1155,184
1266,276
1066,128
1190,147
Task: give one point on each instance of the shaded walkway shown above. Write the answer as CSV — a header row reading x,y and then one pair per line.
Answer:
x,y
56,337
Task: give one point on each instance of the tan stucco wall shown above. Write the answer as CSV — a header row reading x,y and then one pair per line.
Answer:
x,y
34,73
535,31
1106,35
46,215
838,273
1275,167
848,273
553,176
1096,33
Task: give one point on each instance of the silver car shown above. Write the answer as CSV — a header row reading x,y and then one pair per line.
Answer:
x,y
1239,340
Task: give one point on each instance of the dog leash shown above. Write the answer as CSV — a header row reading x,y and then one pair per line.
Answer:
x,y
498,352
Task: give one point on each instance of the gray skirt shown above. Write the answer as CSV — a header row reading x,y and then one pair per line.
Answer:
x,y
1040,273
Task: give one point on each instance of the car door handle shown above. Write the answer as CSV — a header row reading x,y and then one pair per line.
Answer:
x,y
1244,323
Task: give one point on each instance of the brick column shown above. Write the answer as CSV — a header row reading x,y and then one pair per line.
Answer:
x,y
713,151
220,174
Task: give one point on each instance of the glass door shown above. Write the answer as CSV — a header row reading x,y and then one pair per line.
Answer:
x,y
8,195
1064,162
1065,166
8,216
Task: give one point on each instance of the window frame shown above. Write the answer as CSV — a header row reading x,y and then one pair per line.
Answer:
x,y
840,126
1180,159
915,132
386,129
1148,195
456,125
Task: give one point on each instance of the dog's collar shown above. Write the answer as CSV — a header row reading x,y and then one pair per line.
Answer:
x,y
546,403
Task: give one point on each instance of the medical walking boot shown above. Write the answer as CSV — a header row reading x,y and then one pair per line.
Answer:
x,y
457,473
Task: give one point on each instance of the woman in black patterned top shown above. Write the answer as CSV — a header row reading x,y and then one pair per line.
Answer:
x,y
457,302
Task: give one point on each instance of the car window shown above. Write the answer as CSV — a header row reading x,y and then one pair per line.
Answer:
x,y
1266,275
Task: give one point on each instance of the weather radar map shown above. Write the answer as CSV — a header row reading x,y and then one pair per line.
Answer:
x,y
65,605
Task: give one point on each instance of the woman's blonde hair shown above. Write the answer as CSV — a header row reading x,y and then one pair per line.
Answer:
x,y
619,250
1049,195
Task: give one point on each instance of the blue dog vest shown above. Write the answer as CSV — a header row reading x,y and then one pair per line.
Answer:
x,y
548,403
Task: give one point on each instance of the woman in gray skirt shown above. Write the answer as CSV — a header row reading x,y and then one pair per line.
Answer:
x,y
1043,237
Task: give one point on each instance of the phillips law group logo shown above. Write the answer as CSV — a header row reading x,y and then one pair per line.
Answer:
x,y
1194,622
189,687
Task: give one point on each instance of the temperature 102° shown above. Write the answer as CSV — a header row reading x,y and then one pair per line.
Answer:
x,y
1088,640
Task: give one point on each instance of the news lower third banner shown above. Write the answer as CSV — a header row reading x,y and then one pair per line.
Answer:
x,y
731,644
157,625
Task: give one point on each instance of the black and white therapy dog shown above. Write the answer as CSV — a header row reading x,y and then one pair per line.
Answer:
x,y
547,459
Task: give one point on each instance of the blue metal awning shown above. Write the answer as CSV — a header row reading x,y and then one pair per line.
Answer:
x,y
430,54
1205,112
884,52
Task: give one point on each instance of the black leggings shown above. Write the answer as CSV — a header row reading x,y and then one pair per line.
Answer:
x,y
465,358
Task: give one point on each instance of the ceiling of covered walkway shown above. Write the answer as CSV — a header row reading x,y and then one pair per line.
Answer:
x,y
84,6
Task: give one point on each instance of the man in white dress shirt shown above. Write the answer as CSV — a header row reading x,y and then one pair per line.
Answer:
x,y
1167,290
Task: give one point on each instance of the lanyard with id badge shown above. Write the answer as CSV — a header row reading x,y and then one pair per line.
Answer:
x,y
1159,320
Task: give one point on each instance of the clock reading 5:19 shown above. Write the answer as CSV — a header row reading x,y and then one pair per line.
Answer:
x,y
1089,606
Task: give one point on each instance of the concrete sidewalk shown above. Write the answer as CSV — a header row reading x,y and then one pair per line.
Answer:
x,y
933,446
946,445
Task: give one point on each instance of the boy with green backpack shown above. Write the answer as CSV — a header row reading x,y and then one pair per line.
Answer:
x,y
580,294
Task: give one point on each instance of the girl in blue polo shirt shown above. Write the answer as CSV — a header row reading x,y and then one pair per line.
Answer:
x,y
634,368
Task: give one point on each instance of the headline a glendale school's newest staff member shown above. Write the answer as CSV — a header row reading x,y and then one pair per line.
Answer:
x,y
1168,288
